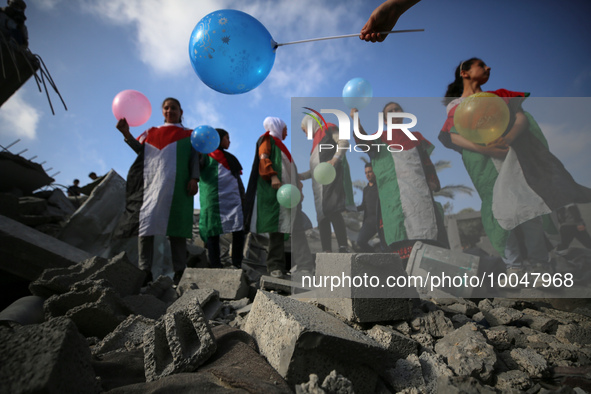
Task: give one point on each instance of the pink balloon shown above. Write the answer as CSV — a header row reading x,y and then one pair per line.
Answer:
x,y
133,106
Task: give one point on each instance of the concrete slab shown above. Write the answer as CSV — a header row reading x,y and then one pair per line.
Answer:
x,y
125,278
208,299
355,285
91,227
95,308
230,283
46,358
179,342
26,252
299,339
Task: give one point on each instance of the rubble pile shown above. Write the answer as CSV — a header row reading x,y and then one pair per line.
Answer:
x,y
88,326
98,331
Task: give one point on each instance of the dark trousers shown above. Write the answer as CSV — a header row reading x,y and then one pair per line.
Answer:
x,y
276,253
570,232
338,224
213,249
369,228
178,250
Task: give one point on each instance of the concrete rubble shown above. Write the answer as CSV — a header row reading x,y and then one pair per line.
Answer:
x,y
87,325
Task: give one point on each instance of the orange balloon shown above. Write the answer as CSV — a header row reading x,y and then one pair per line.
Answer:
x,y
482,117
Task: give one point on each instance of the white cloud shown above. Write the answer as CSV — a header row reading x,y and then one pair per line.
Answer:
x,y
203,112
48,4
19,119
163,28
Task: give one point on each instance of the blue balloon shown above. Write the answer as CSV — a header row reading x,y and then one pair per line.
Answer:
x,y
231,51
205,139
357,93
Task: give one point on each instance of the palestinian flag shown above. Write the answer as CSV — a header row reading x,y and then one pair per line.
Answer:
x,y
407,206
337,195
265,215
528,183
157,199
219,197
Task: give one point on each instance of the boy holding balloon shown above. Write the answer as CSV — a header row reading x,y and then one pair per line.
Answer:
x,y
273,167
161,184
507,153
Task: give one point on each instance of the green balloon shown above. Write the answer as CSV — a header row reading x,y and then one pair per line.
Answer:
x,y
324,173
288,196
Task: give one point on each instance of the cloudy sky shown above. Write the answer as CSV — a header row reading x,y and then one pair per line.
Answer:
x,y
95,49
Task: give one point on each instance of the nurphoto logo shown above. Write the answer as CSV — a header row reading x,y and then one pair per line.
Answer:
x,y
344,129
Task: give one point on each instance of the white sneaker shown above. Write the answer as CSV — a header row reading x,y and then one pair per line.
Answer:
x,y
277,274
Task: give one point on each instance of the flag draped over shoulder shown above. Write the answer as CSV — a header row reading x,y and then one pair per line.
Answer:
x,y
157,199
407,207
220,196
264,214
529,182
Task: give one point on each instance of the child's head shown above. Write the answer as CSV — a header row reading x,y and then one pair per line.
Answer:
x,y
224,139
456,88
392,107
172,111
276,127
369,174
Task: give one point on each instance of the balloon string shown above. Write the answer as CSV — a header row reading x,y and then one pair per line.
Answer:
x,y
345,36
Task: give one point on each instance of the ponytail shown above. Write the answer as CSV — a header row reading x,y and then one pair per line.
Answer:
x,y
456,88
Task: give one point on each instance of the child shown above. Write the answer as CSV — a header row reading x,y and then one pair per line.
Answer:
x,y
406,181
160,187
221,200
332,199
369,206
571,226
272,167
541,178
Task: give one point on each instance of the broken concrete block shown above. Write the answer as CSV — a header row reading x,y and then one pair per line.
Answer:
x,y
498,337
463,384
433,323
530,362
26,252
180,342
145,305
59,204
468,353
299,339
434,368
208,299
30,205
95,309
92,226
397,344
355,286
124,277
538,321
162,288
129,335
502,316
230,283
337,383
513,380
574,333
407,373
47,358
